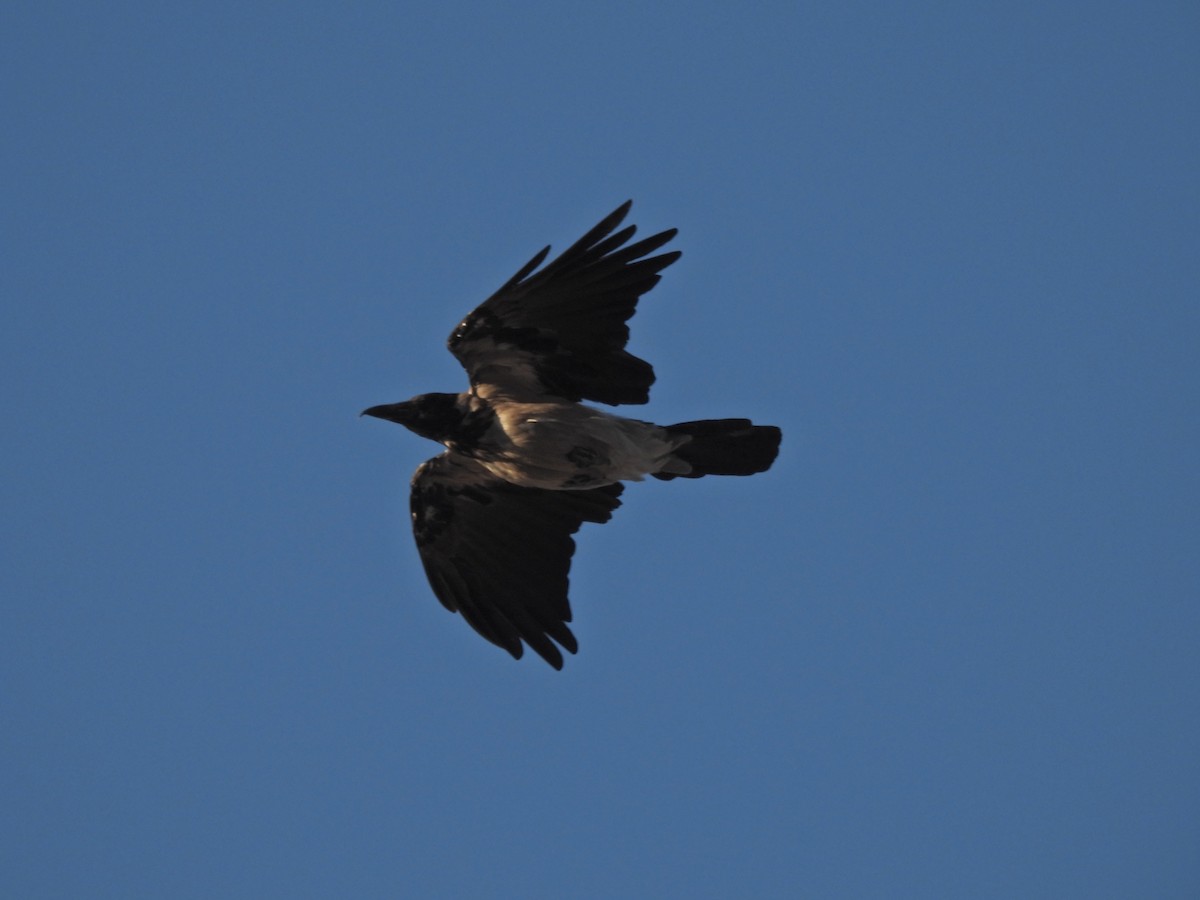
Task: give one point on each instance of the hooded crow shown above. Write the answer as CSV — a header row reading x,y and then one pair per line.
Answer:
x,y
526,464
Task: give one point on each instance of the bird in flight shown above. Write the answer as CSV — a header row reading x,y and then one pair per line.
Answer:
x,y
526,463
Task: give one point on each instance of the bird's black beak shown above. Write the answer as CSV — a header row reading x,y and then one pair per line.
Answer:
x,y
400,413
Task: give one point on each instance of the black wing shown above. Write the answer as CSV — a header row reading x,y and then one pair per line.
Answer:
x,y
499,553
561,332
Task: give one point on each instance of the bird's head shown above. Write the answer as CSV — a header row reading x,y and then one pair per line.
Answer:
x,y
433,416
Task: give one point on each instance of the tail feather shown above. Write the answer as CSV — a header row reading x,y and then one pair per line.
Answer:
x,y
724,447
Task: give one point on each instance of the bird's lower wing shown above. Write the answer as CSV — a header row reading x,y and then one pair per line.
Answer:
x,y
500,554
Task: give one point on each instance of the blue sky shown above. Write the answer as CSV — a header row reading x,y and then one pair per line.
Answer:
x,y
947,647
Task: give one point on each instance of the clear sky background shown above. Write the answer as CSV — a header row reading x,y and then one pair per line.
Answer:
x,y
948,647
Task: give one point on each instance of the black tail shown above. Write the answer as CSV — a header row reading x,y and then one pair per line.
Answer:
x,y
725,447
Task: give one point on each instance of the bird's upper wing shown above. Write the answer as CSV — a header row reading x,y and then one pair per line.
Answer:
x,y
561,331
499,553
